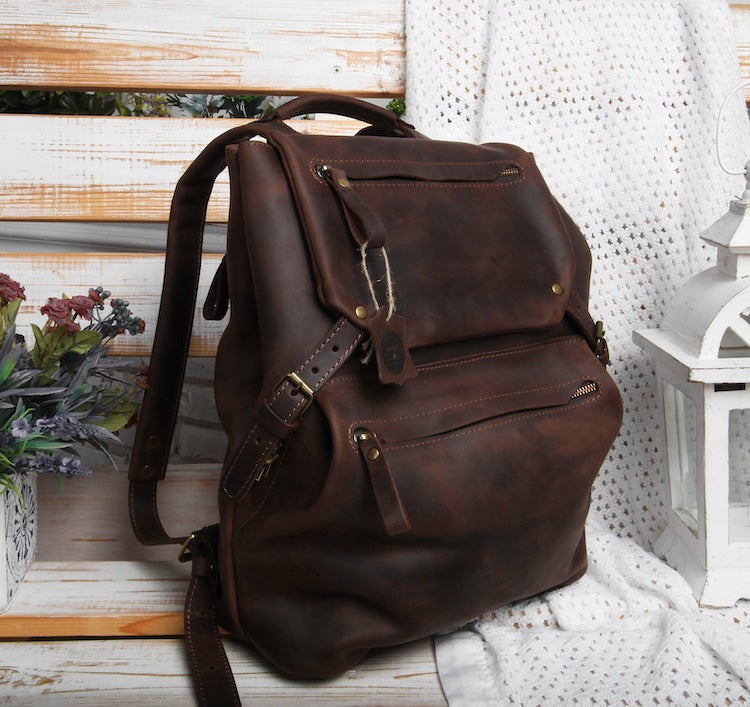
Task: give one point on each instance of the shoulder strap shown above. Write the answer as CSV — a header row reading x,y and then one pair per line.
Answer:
x,y
174,325
169,354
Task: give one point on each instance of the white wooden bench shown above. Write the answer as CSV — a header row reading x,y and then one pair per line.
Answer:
x,y
105,613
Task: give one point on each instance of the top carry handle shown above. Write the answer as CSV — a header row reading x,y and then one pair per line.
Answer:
x,y
159,411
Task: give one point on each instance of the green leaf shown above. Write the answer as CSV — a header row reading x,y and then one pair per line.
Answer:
x,y
84,341
117,420
46,445
8,363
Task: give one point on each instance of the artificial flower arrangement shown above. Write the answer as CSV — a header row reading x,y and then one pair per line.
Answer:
x,y
61,394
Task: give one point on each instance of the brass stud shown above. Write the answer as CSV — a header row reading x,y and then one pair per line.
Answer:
x,y
557,288
361,311
373,454
344,182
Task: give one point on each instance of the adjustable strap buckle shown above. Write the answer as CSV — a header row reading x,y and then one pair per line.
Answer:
x,y
202,549
298,386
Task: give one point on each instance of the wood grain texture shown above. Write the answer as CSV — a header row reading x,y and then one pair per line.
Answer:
x,y
88,520
264,46
135,277
740,13
69,168
154,672
101,598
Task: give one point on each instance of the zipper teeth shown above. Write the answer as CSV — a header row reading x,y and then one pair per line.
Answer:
x,y
585,389
510,171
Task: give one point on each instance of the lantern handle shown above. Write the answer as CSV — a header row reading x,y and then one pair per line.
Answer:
x,y
745,171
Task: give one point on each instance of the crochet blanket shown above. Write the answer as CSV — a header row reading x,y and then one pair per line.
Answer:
x,y
619,103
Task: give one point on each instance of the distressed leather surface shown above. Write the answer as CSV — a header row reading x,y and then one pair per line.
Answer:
x,y
480,488
356,514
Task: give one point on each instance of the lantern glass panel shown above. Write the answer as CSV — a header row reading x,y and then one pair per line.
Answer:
x,y
739,475
681,425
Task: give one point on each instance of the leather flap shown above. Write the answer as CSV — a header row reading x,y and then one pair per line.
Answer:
x,y
464,240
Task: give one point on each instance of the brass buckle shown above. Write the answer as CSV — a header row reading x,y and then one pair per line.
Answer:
x,y
299,386
184,555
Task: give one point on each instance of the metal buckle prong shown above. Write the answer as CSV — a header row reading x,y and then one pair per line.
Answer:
x,y
300,386
184,554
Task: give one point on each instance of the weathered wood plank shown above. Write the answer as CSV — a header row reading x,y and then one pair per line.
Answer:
x,y
60,599
139,672
88,520
66,168
136,278
224,46
740,13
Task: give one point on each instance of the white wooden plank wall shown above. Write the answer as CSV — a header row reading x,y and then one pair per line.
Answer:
x,y
194,46
65,168
136,278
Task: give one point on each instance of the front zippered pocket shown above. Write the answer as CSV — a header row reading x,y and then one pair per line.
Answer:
x,y
487,414
375,453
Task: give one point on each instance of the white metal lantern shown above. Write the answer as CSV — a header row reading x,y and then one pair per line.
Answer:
x,y
702,360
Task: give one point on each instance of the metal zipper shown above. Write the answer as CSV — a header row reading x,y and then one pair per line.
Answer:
x,y
510,171
585,389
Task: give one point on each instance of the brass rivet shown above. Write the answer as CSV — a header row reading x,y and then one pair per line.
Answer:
x,y
557,288
361,436
373,454
361,311
344,182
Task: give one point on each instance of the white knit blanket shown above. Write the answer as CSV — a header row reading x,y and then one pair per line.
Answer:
x,y
618,100
628,633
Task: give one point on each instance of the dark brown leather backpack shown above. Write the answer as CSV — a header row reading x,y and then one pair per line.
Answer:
x,y
413,390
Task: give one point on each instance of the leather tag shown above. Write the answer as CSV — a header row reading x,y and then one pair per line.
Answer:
x,y
395,365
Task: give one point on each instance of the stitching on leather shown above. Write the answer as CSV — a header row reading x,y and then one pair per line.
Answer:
x,y
321,346
437,185
131,510
191,647
335,161
338,361
137,528
476,401
494,423
230,469
292,413
253,472
566,341
217,642
339,326
264,454
262,503
424,368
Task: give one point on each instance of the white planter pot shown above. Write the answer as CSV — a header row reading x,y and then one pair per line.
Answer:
x,y
17,535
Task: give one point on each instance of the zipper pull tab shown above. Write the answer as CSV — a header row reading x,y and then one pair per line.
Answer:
x,y
392,510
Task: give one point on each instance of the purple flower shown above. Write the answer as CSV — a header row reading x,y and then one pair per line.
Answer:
x,y
20,428
61,427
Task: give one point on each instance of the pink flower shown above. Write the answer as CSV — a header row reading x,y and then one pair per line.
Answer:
x,y
82,306
58,311
9,289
